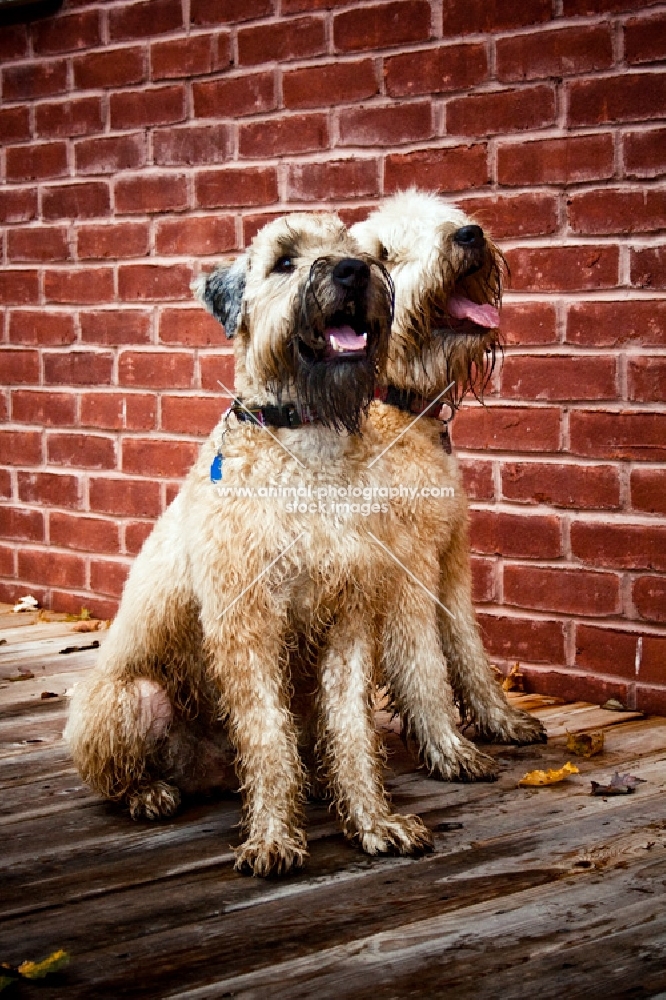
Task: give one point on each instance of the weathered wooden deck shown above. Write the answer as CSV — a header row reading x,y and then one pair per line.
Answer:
x,y
530,892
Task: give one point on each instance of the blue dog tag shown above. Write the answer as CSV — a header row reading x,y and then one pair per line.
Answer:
x,y
216,468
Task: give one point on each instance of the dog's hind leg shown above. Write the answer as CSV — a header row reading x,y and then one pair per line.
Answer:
x,y
348,736
416,672
479,696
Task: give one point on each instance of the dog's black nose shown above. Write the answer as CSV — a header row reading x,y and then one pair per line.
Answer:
x,y
469,237
351,273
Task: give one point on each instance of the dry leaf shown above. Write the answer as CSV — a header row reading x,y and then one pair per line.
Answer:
x,y
535,778
586,744
620,784
37,970
79,649
83,615
48,694
87,626
514,681
24,675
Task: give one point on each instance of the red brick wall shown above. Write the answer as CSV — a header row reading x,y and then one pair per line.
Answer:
x,y
144,140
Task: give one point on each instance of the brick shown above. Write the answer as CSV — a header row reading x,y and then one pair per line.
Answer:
x,y
66,601
217,368
392,124
125,239
571,8
198,145
654,657
556,161
649,597
78,368
618,435
39,327
190,327
7,560
156,369
504,428
14,124
108,155
283,136
21,524
42,79
210,12
165,459
41,566
332,179
18,205
52,489
20,447
107,576
436,71
92,284
501,111
583,487
483,580
146,108
515,535
66,33
119,67
145,19
13,41
297,6
196,235
444,170
607,651
648,490
629,97
235,96
195,415
136,532
125,497
296,38
233,186
609,211
115,327
568,268
85,451
381,25
154,282
37,243
87,534
188,57
86,200
69,118
118,411
18,287
12,592
645,39
644,153
567,591
254,222
646,379
319,85
478,479
648,267
651,700
622,545
37,162
569,684
615,323
18,367
528,323
5,484
151,193
515,215
522,639
471,17
556,377
50,409
567,51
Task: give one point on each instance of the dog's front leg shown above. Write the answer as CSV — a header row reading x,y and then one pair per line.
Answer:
x,y
248,661
349,740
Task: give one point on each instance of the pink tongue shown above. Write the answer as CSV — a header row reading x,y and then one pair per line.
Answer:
x,y
345,338
462,308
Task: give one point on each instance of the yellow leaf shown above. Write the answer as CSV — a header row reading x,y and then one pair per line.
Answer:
x,y
37,970
514,681
586,744
548,777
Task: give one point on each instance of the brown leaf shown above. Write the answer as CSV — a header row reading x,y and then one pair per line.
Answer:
x,y
620,784
514,681
87,626
24,675
79,649
586,744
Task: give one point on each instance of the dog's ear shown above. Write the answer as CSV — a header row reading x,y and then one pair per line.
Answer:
x,y
222,292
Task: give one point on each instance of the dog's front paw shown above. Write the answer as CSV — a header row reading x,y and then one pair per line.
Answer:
x,y
396,834
157,801
258,856
514,727
462,761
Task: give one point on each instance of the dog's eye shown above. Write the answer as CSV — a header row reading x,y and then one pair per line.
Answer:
x,y
284,264
383,252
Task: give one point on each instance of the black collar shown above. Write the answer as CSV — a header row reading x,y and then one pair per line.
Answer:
x,y
286,415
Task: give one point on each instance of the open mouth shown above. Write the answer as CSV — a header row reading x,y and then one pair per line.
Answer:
x,y
340,341
480,314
